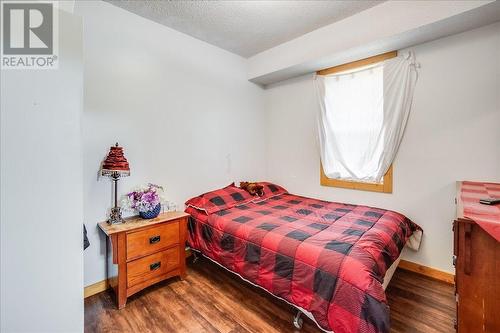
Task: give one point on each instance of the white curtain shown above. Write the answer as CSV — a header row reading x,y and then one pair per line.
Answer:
x,y
362,118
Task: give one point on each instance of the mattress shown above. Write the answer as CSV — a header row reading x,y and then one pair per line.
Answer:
x,y
327,259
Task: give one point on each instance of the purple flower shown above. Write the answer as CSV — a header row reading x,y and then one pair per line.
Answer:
x,y
145,200
148,197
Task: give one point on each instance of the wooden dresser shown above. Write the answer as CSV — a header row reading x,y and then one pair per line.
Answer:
x,y
144,252
477,261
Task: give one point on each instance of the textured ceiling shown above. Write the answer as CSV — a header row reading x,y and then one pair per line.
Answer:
x,y
244,27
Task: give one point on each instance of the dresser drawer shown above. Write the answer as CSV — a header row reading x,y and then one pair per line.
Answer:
x,y
154,265
148,241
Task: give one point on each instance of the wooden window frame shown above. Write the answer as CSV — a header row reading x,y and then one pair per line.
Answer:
x,y
386,185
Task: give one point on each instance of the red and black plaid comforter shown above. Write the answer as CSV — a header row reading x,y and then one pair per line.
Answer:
x,y
325,257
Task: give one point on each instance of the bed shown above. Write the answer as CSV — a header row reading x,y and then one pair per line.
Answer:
x,y
327,259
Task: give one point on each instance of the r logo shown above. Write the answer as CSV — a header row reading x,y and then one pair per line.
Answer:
x,y
27,28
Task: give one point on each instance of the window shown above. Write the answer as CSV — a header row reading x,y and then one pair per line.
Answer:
x,y
353,97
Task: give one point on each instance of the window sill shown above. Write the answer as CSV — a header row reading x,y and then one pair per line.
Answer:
x,y
384,187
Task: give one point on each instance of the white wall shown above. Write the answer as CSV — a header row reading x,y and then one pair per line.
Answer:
x,y
41,193
182,109
189,120
453,134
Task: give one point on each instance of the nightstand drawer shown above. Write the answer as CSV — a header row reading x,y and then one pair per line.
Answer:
x,y
154,265
148,241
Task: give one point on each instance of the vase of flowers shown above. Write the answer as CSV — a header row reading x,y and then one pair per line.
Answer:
x,y
145,199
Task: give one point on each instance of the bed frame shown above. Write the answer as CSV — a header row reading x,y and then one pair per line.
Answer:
x,y
297,320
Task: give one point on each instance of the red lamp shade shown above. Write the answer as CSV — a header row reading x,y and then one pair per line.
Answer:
x,y
115,163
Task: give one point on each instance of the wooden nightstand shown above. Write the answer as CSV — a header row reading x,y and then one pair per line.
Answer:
x,y
145,252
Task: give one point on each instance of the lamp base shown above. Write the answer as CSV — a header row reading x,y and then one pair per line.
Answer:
x,y
115,216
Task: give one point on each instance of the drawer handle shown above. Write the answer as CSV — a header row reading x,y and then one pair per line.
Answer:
x,y
154,240
155,266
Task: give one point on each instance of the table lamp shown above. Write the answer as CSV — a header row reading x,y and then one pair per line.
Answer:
x,y
115,166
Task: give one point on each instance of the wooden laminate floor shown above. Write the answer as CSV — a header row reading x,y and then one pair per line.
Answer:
x,y
214,300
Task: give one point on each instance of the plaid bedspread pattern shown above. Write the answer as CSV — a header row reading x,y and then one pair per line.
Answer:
x,y
328,258
217,200
487,216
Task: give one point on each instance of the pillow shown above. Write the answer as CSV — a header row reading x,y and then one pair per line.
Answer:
x,y
224,198
270,190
